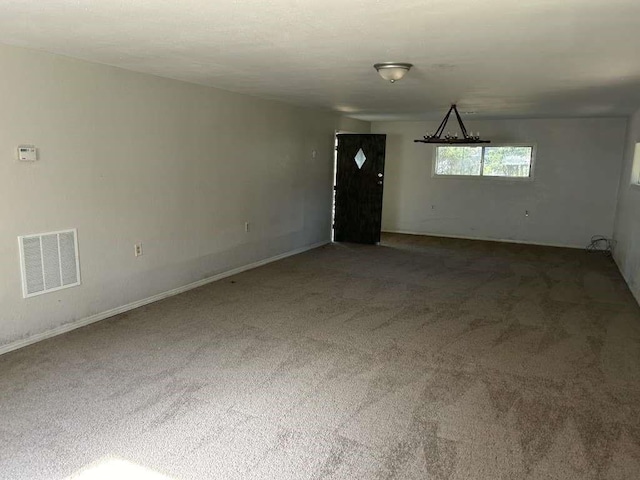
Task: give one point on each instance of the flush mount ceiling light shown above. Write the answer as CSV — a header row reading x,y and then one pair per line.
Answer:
x,y
467,137
392,71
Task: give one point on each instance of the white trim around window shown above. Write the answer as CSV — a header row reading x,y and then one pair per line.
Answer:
x,y
481,175
635,166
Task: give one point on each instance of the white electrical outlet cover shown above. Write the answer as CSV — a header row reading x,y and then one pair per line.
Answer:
x,y
27,153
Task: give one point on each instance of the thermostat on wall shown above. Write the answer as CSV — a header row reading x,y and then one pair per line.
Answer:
x,y
27,153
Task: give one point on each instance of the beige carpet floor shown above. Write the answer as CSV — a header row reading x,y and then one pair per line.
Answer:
x,y
422,358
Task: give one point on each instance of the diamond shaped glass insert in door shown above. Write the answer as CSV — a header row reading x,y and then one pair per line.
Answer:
x,y
360,158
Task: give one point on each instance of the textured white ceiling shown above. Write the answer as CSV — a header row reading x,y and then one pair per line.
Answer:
x,y
494,57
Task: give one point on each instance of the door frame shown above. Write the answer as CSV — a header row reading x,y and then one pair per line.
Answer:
x,y
380,181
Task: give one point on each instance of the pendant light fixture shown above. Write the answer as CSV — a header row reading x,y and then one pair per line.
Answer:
x,y
467,137
392,71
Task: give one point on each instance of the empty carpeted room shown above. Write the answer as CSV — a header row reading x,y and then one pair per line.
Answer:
x,y
320,240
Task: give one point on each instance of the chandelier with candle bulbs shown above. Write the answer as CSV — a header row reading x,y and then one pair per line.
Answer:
x,y
467,136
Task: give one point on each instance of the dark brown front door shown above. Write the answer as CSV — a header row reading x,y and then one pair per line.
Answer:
x,y
359,185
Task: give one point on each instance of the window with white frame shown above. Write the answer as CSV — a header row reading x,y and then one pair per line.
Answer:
x,y
635,167
508,161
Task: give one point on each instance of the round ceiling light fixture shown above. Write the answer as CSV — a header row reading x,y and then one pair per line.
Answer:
x,y
392,71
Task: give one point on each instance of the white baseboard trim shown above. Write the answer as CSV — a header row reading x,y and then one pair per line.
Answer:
x,y
67,327
501,240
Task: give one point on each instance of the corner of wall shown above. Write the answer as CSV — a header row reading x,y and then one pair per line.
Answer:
x,y
353,125
627,220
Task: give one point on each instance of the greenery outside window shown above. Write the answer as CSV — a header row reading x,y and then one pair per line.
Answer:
x,y
508,161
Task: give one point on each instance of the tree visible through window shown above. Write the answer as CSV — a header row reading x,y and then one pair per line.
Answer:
x,y
458,160
505,161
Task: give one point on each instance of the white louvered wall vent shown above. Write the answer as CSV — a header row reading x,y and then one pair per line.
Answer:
x,y
49,262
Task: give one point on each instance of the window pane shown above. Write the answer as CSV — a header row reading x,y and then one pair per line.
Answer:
x,y
458,160
507,161
635,166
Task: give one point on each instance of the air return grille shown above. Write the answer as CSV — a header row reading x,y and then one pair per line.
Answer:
x,y
49,262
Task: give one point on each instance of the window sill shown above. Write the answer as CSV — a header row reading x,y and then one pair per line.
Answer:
x,y
486,178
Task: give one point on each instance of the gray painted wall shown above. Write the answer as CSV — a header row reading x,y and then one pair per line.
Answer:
x,y
127,158
627,226
353,125
571,197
